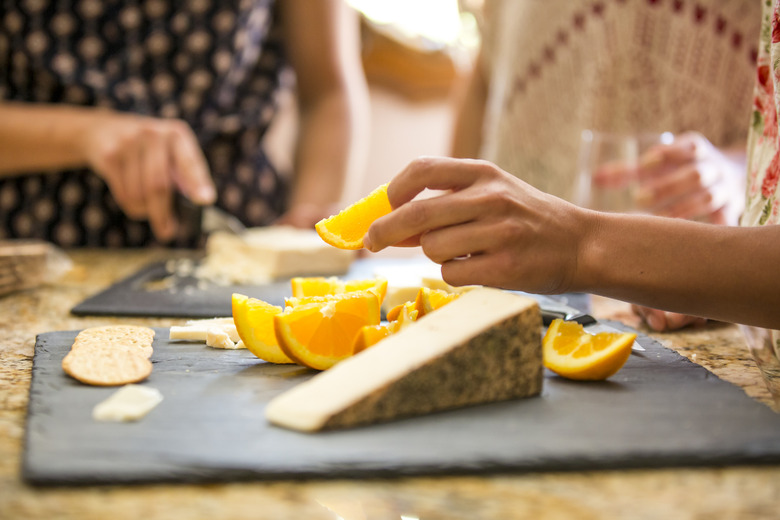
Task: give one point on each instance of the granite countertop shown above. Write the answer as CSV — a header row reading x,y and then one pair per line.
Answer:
x,y
731,492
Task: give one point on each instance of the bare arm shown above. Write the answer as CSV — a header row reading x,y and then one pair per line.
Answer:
x,y
324,45
41,137
142,159
469,119
719,272
493,229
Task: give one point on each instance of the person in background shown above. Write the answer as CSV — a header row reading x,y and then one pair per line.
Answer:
x,y
546,71
493,229
110,111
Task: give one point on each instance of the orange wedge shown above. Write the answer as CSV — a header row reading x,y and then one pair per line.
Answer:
x,y
254,321
573,353
370,335
314,286
378,285
429,300
402,309
346,229
320,286
407,316
325,298
320,334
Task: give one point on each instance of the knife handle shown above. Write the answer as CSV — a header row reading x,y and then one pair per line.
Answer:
x,y
583,319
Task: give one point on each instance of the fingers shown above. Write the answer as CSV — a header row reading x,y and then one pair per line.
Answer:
x,y
462,201
692,206
659,158
191,174
695,191
417,217
675,184
155,180
435,173
469,239
662,321
133,199
614,175
143,160
111,170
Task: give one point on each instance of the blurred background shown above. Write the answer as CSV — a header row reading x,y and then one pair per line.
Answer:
x,y
415,53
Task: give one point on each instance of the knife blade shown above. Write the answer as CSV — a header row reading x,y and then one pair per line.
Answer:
x,y
217,219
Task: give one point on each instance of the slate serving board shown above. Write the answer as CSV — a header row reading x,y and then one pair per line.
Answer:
x,y
187,297
660,410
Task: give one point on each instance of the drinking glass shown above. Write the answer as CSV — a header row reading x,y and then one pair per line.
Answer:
x,y
608,168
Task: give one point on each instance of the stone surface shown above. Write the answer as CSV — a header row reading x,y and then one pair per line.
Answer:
x,y
727,492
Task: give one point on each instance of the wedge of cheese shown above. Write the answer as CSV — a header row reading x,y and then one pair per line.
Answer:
x,y
485,346
261,255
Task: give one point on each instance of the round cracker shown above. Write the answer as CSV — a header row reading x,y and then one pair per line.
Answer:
x,y
118,331
124,337
106,367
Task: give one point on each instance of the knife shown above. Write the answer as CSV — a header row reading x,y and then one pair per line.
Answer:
x,y
205,219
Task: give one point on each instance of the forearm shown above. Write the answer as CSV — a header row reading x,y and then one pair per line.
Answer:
x,y
41,137
330,136
467,134
323,42
725,273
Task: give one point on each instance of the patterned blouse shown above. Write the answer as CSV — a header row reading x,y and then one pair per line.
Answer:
x,y
558,67
217,64
762,202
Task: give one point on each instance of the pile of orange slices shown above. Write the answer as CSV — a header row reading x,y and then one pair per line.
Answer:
x,y
325,321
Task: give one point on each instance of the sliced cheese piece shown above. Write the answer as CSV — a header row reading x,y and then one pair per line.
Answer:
x,y
485,346
188,333
129,403
220,339
198,330
260,255
232,332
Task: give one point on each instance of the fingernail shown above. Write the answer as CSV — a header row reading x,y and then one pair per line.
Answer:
x,y
367,243
206,195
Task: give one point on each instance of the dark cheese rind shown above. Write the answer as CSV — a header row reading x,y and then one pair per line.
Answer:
x,y
504,362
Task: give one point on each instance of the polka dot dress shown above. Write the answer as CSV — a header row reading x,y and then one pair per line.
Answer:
x,y
216,64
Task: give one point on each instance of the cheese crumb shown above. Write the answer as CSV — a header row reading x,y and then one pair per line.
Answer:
x,y
219,339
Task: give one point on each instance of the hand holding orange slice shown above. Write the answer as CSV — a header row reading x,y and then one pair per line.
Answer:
x,y
571,352
347,229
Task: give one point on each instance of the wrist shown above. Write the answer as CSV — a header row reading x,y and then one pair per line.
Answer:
x,y
592,252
